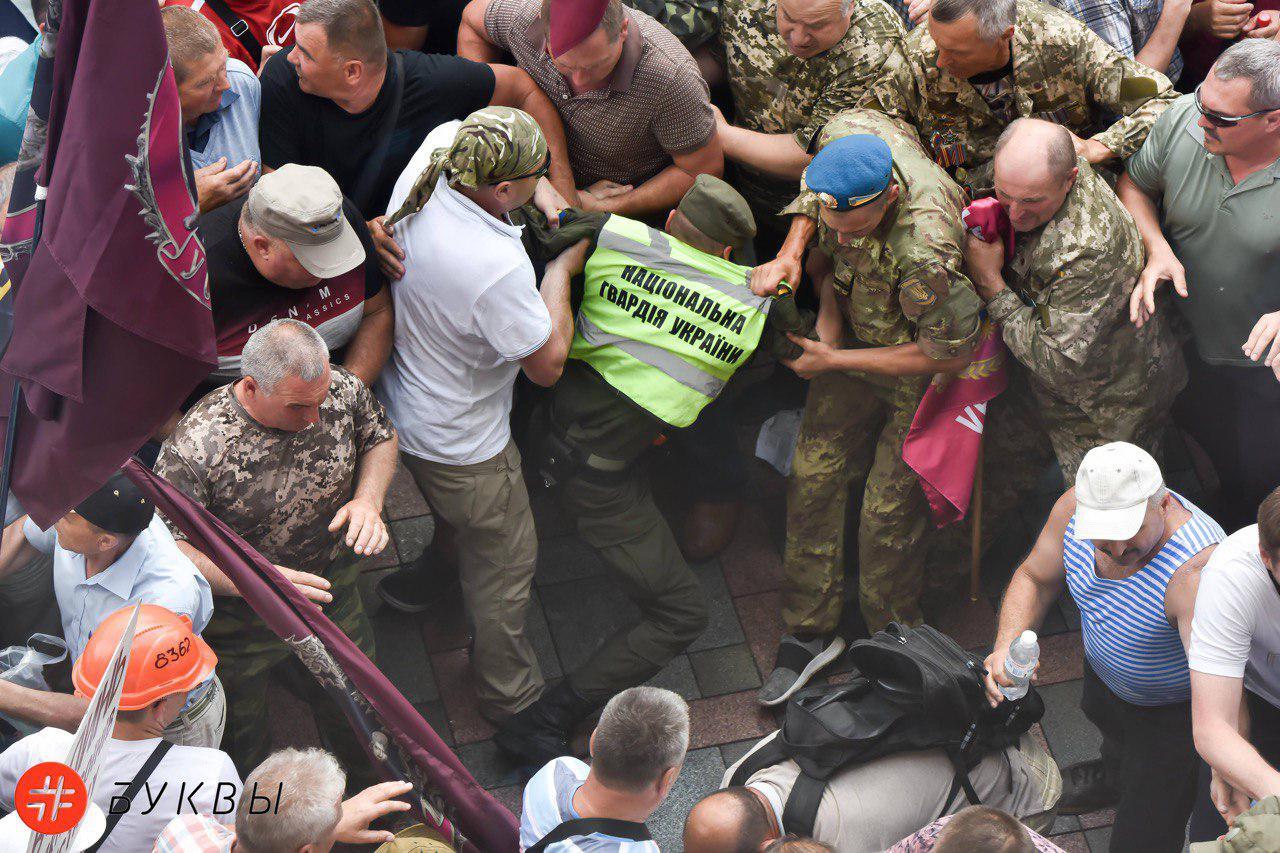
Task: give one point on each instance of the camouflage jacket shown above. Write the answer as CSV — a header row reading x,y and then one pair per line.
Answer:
x,y
775,91
693,22
1062,72
277,489
904,282
1065,312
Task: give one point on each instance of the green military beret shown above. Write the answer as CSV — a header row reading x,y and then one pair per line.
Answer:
x,y
719,211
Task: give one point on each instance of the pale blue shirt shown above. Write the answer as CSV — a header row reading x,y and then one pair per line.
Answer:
x,y
151,571
231,130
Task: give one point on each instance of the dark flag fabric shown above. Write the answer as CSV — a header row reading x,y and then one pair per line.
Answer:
x,y
399,741
111,321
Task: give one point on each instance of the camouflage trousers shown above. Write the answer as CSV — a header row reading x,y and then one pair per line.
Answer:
x,y
854,426
1074,432
250,656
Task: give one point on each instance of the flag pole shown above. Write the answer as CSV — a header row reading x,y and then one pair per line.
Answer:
x,y
975,547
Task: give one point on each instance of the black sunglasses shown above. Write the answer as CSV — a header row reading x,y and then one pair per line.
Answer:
x,y
1218,119
539,172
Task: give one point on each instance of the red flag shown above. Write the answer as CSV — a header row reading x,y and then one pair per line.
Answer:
x,y
400,743
112,327
946,434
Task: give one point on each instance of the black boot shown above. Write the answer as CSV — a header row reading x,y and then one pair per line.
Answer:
x,y
1085,789
541,732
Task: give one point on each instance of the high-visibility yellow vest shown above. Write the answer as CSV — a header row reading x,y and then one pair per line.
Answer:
x,y
663,323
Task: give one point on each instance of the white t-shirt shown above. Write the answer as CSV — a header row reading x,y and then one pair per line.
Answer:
x,y
548,802
1236,628
467,310
218,795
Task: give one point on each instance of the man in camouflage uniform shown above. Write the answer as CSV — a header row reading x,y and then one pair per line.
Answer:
x,y
288,462
980,64
1062,300
694,22
888,220
792,65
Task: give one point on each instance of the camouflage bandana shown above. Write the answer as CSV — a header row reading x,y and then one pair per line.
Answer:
x,y
494,144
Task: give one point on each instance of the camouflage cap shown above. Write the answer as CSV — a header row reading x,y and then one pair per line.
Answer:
x,y
492,145
418,838
719,211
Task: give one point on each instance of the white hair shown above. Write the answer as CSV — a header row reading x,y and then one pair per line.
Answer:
x,y
284,348
994,16
304,788
1255,60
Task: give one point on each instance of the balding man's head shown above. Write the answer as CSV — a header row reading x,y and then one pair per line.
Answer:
x,y
730,821
1035,169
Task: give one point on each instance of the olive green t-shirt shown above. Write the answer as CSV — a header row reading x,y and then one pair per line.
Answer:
x,y
1227,236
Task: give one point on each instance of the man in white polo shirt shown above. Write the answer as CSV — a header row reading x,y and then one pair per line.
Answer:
x,y
1235,670
469,318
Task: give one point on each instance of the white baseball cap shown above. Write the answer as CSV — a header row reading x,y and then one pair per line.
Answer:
x,y
1113,485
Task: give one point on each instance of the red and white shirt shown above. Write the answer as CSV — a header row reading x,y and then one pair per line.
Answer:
x,y
269,21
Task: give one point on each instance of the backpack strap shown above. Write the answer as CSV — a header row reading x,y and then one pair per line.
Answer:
x,y
766,756
239,28
144,773
960,780
581,826
801,810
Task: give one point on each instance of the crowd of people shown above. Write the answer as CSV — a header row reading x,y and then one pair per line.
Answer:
x,y
507,243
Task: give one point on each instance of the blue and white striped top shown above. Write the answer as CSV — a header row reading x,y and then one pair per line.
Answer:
x,y
1127,637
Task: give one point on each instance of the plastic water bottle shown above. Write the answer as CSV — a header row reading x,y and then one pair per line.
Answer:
x,y
1021,661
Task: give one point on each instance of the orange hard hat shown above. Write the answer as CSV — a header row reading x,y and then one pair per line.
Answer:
x,y
167,656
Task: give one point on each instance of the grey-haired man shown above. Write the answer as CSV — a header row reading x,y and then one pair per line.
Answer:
x,y
296,457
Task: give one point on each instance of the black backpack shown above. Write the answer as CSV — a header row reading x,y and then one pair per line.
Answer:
x,y
912,689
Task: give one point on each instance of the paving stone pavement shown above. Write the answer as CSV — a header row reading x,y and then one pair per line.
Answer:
x,y
426,657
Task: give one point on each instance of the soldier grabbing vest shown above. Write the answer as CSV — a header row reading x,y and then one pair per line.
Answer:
x,y
664,322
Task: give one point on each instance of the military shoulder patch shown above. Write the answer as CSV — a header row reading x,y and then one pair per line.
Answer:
x,y
919,293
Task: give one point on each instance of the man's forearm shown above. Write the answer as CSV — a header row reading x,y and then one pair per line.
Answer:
x,y
1163,41
900,360
776,154
659,194
1023,609
799,235
41,707
15,550
1145,214
374,471
219,583
371,346
555,290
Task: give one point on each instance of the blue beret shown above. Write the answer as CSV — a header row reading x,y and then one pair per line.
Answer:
x,y
850,171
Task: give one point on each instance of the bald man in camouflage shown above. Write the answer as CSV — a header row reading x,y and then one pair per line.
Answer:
x,y
1062,299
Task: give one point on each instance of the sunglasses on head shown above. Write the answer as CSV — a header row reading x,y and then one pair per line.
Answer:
x,y
1218,119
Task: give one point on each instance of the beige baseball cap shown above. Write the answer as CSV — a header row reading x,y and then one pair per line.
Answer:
x,y
302,206
1113,485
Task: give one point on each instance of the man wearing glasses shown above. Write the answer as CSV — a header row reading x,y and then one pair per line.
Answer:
x,y
1204,191
469,318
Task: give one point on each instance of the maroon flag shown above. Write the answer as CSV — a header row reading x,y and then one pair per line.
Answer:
x,y
946,434
400,743
112,327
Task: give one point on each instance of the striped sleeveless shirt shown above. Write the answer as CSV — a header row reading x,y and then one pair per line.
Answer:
x,y
1127,637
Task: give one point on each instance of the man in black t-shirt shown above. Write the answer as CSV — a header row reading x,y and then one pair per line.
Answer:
x,y
331,101
294,248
